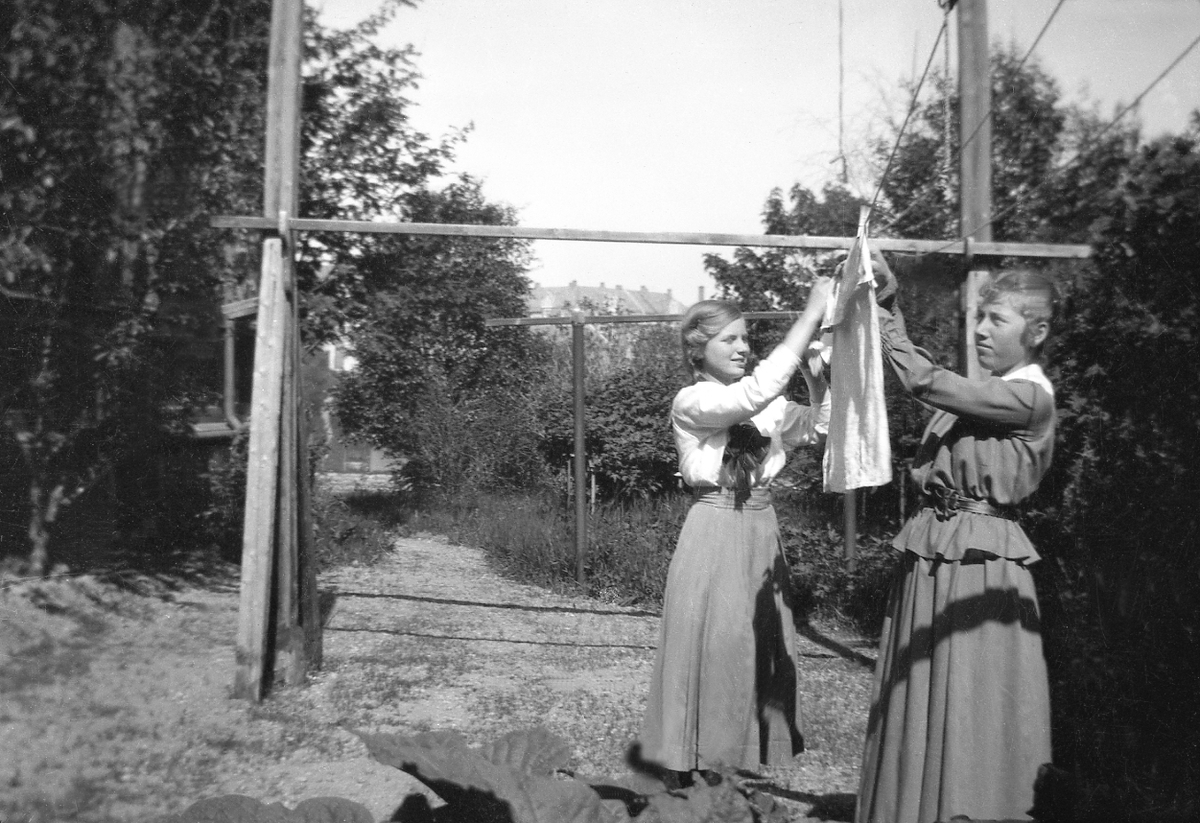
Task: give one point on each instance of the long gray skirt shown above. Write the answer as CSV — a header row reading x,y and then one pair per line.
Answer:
x,y
960,714
725,688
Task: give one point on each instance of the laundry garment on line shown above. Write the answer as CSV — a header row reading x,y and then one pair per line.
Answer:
x,y
857,451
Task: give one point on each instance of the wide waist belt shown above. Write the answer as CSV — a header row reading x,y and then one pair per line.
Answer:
x,y
758,498
947,504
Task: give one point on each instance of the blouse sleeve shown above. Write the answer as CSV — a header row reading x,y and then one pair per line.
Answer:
x,y
1012,404
805,425
709,405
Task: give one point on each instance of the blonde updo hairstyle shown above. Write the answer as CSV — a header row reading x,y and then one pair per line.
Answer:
x,y
1034,296
702,322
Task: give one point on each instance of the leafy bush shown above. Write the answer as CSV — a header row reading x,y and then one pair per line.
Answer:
x,y
490,440
1118,512
631,446
633,373
225,504
824,587
357,528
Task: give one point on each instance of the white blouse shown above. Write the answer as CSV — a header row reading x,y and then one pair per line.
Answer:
x,y
703,412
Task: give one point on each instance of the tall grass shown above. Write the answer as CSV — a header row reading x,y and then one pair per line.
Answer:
x,y
630,547
531,537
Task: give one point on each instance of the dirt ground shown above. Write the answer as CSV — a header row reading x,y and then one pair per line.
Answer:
x,y
114,692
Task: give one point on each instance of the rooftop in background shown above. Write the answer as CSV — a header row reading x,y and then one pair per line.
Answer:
x,y
557,301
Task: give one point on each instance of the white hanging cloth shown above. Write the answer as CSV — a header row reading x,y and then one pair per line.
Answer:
x,y
858,452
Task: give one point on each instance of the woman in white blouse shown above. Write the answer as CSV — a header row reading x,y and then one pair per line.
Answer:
x,y
724,688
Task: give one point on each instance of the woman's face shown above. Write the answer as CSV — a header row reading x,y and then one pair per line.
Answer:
x,y
1003,339
725,355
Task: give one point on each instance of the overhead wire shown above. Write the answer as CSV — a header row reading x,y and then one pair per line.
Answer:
x,y
932,187
1079,154
911,108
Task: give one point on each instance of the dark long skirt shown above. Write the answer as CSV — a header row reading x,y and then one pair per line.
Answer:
x,y
960,711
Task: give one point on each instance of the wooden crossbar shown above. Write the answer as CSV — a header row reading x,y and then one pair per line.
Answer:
x,y
782,241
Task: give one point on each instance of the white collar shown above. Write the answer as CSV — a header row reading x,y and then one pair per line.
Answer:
x,y
1034,374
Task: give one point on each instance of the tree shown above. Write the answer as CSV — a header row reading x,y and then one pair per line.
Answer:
x,y
429,297
361,159
1033,133
121,127
411,307
1121,519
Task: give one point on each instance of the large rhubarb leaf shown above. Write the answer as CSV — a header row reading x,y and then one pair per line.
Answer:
x,y
330,810
237,809
549,800
477,789
443,761
702,803
532,751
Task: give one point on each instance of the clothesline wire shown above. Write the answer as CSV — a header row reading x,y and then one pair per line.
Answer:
x,y
1079,154
930,187
911,108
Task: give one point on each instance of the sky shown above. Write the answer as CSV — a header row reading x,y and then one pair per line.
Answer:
x,y
682,115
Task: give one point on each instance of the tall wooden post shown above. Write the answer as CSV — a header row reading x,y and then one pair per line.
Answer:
x,y
975,94
278,613
254,638
580,467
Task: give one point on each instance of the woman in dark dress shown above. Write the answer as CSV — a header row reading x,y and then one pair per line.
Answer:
x,y
960,711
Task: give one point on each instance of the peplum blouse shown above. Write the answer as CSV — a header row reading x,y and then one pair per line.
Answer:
x,y
702,413
988,440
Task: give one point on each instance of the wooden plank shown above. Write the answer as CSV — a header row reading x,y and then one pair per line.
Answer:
x,y
289,640
262,476
310,608
787,241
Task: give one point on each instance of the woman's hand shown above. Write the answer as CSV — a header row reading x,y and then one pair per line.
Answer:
x,y
815,361
886,286
809,322
818,295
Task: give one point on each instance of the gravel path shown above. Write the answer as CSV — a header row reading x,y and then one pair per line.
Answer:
x,y
115,706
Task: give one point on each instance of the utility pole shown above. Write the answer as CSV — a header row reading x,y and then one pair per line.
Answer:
x,y
278,621
975,142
